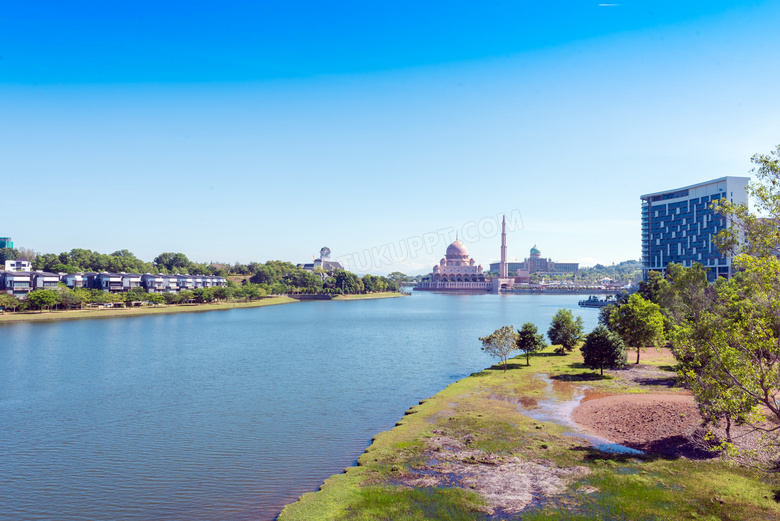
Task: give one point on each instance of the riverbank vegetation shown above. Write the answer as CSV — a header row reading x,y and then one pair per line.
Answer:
x,y
482,447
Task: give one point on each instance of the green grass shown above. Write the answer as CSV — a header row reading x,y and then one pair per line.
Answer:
x,y
487,407
34,316
678,489
398,504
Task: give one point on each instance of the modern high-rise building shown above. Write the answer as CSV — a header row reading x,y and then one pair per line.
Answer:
x,y
6,242
679,226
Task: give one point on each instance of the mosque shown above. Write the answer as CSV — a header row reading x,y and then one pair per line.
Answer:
x,y
457,271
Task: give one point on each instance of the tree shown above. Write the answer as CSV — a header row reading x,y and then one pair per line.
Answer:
x,y
651,289
64,268
27,253
223,293
156,298
399,278
8,254
98,296
565,331
204,294
172,298
529,340
726,336
349,283
603,348
170,260
639,323
604,314
761,227
729,352
115,298
83,295
42,298
8,301
264,275
685,292
68,298
136,295
500,343
45,262
369,283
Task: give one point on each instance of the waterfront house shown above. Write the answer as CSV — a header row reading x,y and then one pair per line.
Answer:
x,y
152,283
16,283
44,280
130,281
212,281
77,280
170,283
185,282
159,283
108,281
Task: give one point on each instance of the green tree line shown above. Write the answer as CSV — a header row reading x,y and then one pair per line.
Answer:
x,y
273,277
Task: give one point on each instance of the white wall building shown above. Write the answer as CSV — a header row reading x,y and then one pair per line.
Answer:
x,y
20,264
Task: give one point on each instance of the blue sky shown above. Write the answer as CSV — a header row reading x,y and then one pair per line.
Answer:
x,y
260,130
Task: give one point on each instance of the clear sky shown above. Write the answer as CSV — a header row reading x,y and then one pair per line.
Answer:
x,y
240,131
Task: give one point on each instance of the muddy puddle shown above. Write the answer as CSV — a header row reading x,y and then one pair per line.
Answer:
x,y
561,398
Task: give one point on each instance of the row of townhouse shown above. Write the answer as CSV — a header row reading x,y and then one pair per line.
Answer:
x,y
20,283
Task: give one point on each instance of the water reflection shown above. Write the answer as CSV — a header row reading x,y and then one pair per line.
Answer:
x,y
554,408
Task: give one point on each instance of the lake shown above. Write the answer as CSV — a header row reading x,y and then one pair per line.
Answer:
x,y
226,414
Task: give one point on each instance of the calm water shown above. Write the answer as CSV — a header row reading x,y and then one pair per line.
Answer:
x,y
224,415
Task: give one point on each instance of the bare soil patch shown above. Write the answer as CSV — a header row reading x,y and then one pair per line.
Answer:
x,y
509,485
664,424
669,425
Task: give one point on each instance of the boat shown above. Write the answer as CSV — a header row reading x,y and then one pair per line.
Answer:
x,y
595,302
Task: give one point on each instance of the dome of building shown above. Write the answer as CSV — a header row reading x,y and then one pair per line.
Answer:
x,y
535,251
457,250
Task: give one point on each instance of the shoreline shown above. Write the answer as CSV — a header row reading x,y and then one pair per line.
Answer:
x,y
79,314
370,296
480,446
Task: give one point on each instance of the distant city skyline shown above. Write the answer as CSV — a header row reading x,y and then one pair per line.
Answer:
x,y
258,131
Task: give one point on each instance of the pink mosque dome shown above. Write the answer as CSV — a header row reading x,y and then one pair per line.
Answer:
x,y
457,250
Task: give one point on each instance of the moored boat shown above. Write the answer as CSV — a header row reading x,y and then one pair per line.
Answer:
x,y
595,302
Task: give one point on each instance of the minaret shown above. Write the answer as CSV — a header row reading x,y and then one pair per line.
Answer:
x,y
503,269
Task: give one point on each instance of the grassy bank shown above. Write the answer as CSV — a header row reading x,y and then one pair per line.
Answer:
x,y
477,427
369,296
34,316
